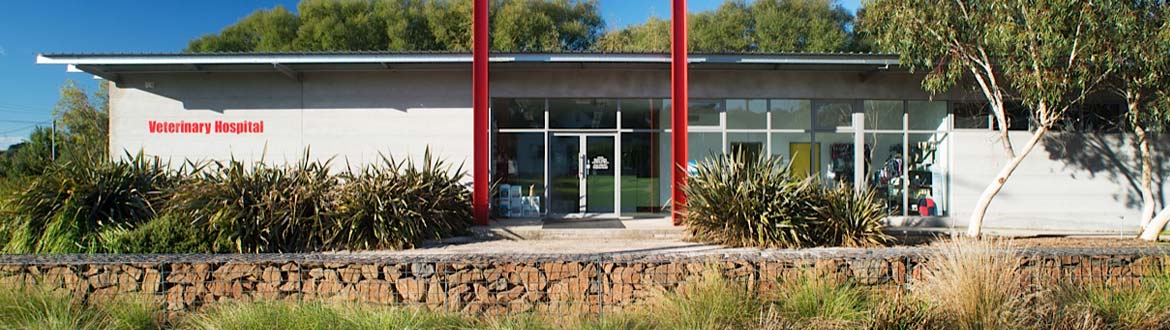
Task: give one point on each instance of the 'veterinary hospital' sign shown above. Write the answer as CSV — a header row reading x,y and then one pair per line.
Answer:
x,y
205,127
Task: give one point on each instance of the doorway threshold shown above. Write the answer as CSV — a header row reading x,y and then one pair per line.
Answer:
x,y
627,228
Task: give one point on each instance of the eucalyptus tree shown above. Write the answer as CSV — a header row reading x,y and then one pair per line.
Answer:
x,y
1143,77
265,30
651,36
1139,59
1042,53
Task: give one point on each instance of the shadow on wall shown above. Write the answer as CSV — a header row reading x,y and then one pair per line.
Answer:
x,y
1113,156
272,91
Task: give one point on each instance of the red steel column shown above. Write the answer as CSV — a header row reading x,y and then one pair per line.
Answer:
x,y
479,94
678,106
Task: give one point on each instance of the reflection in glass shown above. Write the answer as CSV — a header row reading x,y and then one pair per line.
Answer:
x,y
519,162
582,113
791,114
703,112
927,168
599,174
645,168
644,114
747,114
798,151
564,164
883,115
927,115
518,113
701,146
836,156
886,169
750,145
831,115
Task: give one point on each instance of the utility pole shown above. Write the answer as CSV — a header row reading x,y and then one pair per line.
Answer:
x,y
53,144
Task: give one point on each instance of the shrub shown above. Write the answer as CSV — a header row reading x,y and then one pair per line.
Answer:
x,y
850,218
975,285
736,201
399,204
167,233
739,201
260,208
66,209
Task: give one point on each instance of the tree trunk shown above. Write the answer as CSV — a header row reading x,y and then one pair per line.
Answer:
x,y
1155,227
1146,186
975,224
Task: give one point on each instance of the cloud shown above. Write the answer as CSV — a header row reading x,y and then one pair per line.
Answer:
x,y
2,52
8,141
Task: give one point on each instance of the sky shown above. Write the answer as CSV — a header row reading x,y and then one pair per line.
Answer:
x,y
28,92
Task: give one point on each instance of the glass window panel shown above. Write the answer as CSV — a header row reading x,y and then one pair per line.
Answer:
x,y
519,167
644,114
645,177
836,156
747,114
751,145
886,169
927,166
972,115
703,112
927,115
791,114
582,113
701,146
798,151
518,113
666,119
831,115
883,115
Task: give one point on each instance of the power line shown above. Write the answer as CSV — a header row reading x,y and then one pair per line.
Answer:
x,y
23,121
21,129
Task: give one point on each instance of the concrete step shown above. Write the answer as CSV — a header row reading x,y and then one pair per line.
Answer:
x,y
578,234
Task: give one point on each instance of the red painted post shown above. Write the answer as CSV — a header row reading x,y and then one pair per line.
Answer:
x,y
678,106
479,93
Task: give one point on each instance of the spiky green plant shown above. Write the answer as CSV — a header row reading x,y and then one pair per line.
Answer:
x,y
260,208
66,209
398,204
850,218
742,201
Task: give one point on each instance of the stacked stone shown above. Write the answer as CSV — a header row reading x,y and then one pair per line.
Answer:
x,y
500,284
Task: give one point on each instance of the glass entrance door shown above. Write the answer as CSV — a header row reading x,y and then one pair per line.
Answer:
x,y
582,175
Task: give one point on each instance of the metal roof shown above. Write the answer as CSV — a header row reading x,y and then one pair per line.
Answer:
x,y
109,65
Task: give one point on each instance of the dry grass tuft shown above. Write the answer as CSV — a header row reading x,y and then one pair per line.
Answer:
x,y
975,285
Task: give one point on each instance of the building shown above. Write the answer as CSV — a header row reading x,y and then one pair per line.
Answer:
x,y
588,134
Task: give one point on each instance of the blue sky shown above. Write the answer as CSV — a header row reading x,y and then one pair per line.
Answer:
x,y
28,91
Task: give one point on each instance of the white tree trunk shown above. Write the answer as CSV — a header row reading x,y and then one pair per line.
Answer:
x,y
1146,185
975,224
1155,227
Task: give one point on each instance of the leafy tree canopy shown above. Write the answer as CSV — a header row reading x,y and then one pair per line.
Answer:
x,y
530,25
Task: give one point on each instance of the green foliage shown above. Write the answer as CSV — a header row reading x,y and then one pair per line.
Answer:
x,y
815,297
313,315
263,31
260,208
712,302
398,204
67,209
29,158
37,308
850,218
84,124
166,233
737,201
762,26
405,25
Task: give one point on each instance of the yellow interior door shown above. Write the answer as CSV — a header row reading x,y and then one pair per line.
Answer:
x,y
805,158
